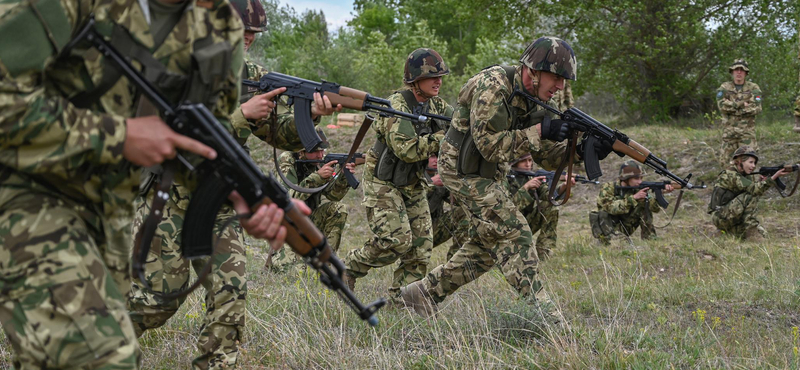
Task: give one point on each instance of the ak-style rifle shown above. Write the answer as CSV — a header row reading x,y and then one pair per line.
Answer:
x,y
658,189
769,171
548,176
341,158
233,169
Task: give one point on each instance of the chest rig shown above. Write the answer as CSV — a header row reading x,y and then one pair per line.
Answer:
x,y
720,197
470,160
393,169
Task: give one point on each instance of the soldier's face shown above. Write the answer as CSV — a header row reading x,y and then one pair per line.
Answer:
x,y
738,76
549,85
249,37
314,155
430,86
633,181
525,164
748,165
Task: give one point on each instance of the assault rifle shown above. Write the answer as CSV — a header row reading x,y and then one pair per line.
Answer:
x,y
769,171
341,158
548,176
657,187
301,96
231,170
594,133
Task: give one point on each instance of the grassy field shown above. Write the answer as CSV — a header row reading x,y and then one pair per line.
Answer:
x,y
684,300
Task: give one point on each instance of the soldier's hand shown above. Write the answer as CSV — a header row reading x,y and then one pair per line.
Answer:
x,y
350,167
261,106
149,141
322,106
668,188
265,222
780,173
534,183
641,194
326,171
437,180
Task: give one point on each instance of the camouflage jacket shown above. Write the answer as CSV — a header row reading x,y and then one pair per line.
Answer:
x,y
732,102
738,183
52,145
563,99
621,202
526,200
483,109
305,175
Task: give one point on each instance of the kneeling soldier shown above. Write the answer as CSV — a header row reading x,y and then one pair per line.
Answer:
x,y
624,210
734,202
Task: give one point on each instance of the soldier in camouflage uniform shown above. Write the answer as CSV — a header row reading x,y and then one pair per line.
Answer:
x,y
488,130
734,202
447,224
394,189
530,197
739,101
72,146
327,211
624,210
167,271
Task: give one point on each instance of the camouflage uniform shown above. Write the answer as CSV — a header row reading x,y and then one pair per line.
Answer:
x,y
500,132
65,189
327,211
618,212
447,224
739,106
540,214
736,196
563,99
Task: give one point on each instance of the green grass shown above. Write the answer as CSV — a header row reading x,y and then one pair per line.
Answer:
x,y
684,300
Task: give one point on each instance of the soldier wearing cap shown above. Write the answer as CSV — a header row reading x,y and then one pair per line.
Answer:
x,y
739,101
624,210
489,129
734,201
327,210
394,185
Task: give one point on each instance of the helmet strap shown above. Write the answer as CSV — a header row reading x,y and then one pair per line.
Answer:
x,y
415,87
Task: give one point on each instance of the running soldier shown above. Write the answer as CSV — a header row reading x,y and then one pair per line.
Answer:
x,y
739,101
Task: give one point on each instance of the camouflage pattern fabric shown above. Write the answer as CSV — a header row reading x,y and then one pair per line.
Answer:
x,y
553,55
740,214
252,14
399,216
563,99
541,215
447,224
167,271
424,63
72,189
499,233
618,212
739,109
327,211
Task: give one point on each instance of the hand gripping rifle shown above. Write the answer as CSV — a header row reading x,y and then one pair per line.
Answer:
x,y
341,158
231,170
549,176
769,171
594,133
658,189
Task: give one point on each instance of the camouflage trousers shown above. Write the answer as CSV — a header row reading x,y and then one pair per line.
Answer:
x,y
63,281
737,132
167,271
739,215
544,220
605,226
454,225
330,218
498,235
401,225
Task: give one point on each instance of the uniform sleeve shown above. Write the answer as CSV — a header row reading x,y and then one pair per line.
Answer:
x,y
490,123
402,138
754,104
758,188
725,105
614,205
336,191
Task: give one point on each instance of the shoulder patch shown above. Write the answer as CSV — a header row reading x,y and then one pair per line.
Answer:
x,y
720,94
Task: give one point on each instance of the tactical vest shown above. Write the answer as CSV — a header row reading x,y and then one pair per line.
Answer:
x,y
720,197
393,169
436,199
470,160
304,170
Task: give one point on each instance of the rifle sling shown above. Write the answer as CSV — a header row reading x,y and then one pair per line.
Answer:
x,y
794,188
674,210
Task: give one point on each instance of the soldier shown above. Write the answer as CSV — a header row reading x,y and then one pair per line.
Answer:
x,y
394,194
450,224
624,210
488,130
563,98
739,101
167,271
734,202
327,211
71,150
530,195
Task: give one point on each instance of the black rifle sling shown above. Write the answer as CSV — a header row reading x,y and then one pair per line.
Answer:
x,y
674,210
144,238
794,188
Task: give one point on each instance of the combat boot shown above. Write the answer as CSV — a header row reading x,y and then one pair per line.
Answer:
x,y
416,297
753,234
796,124
349,281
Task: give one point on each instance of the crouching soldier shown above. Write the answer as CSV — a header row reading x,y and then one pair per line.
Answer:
x,y
624,210
734,202
327,212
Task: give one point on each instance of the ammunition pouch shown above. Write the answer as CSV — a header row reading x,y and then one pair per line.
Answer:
x,y
392,169
470,160
719,198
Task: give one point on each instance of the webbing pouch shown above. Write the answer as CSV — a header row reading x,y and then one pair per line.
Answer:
x,y
384,168
209,75
471,161
32,35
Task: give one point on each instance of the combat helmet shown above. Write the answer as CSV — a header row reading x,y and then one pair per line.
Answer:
x,y
424,63
520,159
745,150
553,55
630,169
739,63
252,13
